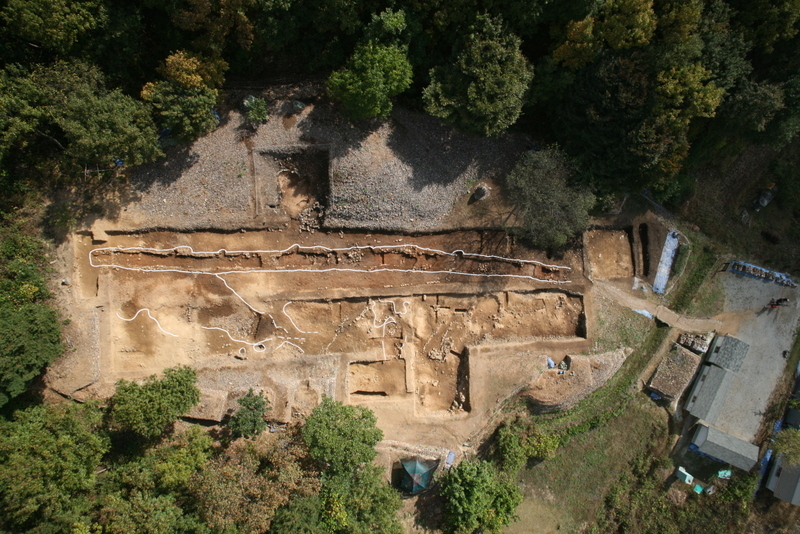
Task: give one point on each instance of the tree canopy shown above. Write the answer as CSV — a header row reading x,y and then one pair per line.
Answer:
x,y
477,499
30,334
550,209
373,75
240,490
49,458
378,70
65,111
248,421
148,408
342,437
481,90
54,24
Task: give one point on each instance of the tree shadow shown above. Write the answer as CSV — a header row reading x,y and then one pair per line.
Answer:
x,y
324,123
105,194
162,172
429,508
438,154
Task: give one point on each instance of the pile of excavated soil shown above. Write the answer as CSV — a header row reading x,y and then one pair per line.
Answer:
x,y
586,373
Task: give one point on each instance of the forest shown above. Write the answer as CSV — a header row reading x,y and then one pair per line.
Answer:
x,y
631,95
628,88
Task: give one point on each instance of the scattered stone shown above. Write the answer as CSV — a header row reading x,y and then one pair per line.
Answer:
x,y
310,218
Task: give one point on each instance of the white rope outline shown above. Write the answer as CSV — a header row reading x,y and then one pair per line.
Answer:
x,y
255,345
292,320
258,346
147,310
389,320
300,248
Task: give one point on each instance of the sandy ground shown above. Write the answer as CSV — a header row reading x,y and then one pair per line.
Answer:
x,y
218,258
433,332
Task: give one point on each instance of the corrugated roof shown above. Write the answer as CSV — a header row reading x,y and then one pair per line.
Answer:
x,y
784,481
728,352
674,372
709,392
725,447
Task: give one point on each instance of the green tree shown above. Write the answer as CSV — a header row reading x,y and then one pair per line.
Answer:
x,y
49,459
30,335
511,451
146,513
149,408
192,70
149,493
751,106
214,22
620,24
581,44
373,75
55,24
343,437
248,421
684,93
359,503
67,107
300,516
186,111
549,209
482,90
165,469
240,490
724,48
767,22
477,499
786,124
30,339
627,23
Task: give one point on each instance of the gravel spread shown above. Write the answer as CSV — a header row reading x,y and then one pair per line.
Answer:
x,y
401,174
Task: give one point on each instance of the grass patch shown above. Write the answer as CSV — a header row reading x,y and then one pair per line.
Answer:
x,y
584,469
709,300
700,265
637,503
618,326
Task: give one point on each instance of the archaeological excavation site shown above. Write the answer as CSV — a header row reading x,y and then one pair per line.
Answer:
x,y
313,257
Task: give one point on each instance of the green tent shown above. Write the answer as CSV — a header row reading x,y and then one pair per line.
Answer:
x,y
417,474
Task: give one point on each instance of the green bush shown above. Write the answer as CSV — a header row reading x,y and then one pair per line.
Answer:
x,y
149,408
30,334
248,421
478,499
511,451
256,110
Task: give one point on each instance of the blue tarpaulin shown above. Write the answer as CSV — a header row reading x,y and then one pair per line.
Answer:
x,y
754,271
417,474
665,264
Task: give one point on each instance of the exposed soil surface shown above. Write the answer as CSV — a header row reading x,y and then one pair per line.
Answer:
x,y
223,257
609,254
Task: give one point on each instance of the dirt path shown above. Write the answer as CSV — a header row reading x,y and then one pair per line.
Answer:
x,y
662,313
767,331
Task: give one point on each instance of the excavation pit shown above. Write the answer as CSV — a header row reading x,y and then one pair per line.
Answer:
x,y
377,320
